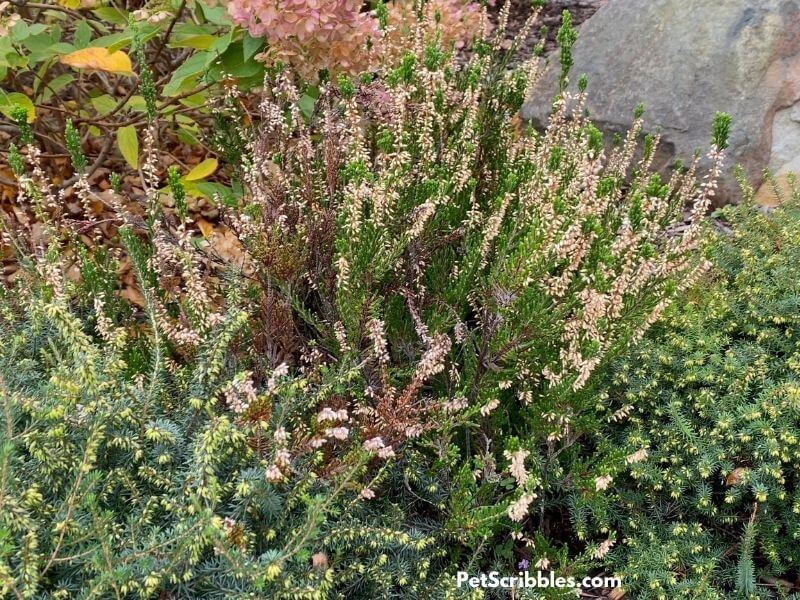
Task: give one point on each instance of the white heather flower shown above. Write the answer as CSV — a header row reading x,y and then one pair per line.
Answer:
x,y
432,362
603,549
378,341
637,456
414,431
158,17
517,468
273,473
455,405
328,414
240,393
104,324
367,494
282,457
525,397
386,452
318,442
281,370
423,214
518,510
602,482
341,336
339,433
343,277
622,413
460,332
373,444
543,563
505,384
489,407
281,436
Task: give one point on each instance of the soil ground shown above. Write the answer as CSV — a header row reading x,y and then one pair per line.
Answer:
x,y
550,18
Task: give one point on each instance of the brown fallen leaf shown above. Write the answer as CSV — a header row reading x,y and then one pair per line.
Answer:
x,y
735,476
133,296
206,228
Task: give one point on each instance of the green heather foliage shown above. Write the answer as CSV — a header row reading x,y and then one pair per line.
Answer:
x,y
713,509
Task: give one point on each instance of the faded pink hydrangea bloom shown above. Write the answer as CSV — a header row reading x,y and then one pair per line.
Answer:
x,y
310,35
337,35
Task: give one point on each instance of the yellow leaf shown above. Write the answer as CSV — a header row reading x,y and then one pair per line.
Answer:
x,y
8,102
203,170
76,4
99,59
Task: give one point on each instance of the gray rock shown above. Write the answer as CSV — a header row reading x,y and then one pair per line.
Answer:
x,y
685,60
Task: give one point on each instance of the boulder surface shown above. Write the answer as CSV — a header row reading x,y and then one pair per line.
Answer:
x,y
685,60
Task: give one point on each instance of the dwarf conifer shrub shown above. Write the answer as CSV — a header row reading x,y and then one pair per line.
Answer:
x,y
128,470
708,456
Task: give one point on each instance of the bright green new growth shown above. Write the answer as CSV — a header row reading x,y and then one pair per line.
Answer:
x,y
178,192
567,36
73,139
721,131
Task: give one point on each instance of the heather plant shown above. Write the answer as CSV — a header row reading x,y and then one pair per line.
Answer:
x,y
703,432
479,271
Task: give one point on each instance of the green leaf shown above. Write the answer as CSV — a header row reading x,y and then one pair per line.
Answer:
x,y
123,39
251,45
136,103
128,143
195,100
212,190
20,31
221,44
8,102
233,63
56,85
104,103
83,35
187,136
62,48
189,35
218,15
306,105
198,42
111,14
192,68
